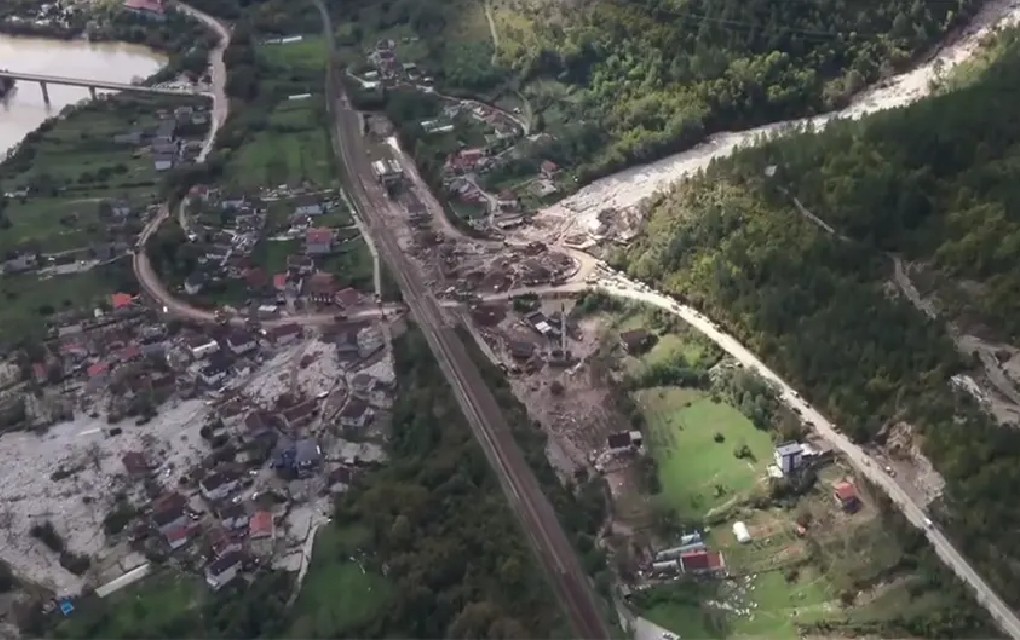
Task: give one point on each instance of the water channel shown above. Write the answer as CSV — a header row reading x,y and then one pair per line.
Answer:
x,y
24,110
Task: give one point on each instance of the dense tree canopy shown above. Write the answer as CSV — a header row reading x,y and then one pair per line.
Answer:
x,y
933,181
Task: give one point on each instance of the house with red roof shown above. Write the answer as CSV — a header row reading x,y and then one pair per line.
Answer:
x,y
318,241
846,496
261,532
549,169
121,301
703,562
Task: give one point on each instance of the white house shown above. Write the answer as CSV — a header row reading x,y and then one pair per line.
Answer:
x,y
740,532
213,373
200,349
789,456
222,570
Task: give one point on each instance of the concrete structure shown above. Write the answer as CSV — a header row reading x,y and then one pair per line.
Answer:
x,y
789,456
92,85
741,533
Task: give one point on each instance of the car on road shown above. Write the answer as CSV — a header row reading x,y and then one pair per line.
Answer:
x,y
928,524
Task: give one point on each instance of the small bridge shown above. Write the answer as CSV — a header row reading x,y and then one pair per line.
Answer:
x,y
93,85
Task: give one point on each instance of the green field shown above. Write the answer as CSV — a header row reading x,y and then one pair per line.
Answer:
x,y
166,601
293,148
352,265
27,302
306,57
697,473
338,593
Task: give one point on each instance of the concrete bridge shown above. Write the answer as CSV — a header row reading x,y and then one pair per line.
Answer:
x,y
92,85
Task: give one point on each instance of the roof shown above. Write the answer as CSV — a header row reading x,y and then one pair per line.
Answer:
x,y
169,501
153,6
178,533
260,524
549,165
135,462
319,235
507,194
790,449
307,450
256,278
215,480
619,440
280,281
223,563
354,409
340,475
39,370
634,338
347,297
289,329
701,560
130,352
238,338
321,282
845,491
121,300
98,369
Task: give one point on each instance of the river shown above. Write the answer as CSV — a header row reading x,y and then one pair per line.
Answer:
x,y
23,110
624,189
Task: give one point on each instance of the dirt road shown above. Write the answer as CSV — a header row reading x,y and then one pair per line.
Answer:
x,y
218,75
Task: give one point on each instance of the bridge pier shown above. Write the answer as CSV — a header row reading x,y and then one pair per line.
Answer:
x,y
45,92
92,92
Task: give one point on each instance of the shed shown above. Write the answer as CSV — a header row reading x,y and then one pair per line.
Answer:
x,y
741,532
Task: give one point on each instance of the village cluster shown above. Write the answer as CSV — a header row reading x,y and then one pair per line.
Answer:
x,y
225,228
240,435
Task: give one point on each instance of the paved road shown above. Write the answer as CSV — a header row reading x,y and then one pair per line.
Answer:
x,y
951,557
484,415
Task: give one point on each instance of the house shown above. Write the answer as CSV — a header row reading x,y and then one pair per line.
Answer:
x,y
620,442
846,496
357,414
302,265
240,342
213,373
789,457
340,479
549,169
136,464
120,209
257,279
119,301
128,137
318,241
218,485
222,570
168,512
194,283
200,346
284,334
20,262
520,349
165,131
507,200
307,206
178,536
347,345
321,288
636,341
299,416
233,516
307,455
163,161
154,10
361,384
233,202
347,297
261,532
703,562
98,373
221,542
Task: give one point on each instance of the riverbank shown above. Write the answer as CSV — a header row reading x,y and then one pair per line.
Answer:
x,y
579,213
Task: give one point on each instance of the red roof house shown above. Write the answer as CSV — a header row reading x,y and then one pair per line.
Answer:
x,y
704,561
121,301
846,495
98,370
260,525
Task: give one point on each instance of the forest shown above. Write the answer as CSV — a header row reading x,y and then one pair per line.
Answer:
x,y
656,75
932,182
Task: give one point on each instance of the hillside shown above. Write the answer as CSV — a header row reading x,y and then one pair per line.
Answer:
x,y
934,182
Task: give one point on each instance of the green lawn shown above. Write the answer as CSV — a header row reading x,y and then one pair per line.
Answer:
x,y
165,600
26,302
699,474
272,255
338,594
308,56
352,265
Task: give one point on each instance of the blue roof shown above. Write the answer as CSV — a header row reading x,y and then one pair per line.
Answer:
x,y
789,449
